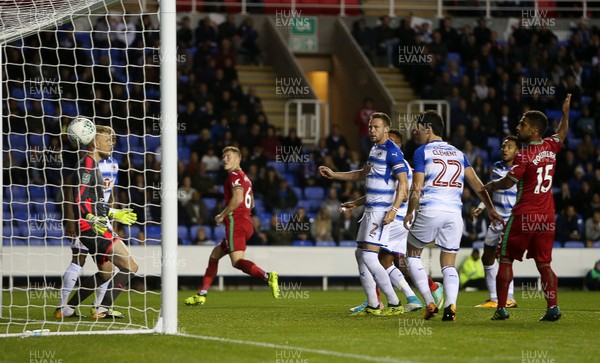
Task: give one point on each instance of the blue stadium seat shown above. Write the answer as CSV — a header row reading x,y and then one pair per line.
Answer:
x,y
153,231
37,192
259,205
184,154
451,56
348,243
326,244
18,192
573,143
194,231
54,241
557,244
478,244
301,243
19,241
574,244
596,244
37,242
132,231
183,232
265,220
291,179
219,233
17,141
278,166
298,192
39,140
553,114
153,241
54,229
314,193
190,140
152,142
211,203
186,242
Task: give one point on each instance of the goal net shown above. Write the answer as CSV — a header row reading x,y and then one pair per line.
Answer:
x,y
63,59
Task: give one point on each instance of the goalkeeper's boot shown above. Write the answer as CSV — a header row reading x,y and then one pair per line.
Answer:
x,y
449,313
195,300
500,314
413,304
369,311
393,310
552,314
60,314
274,283
359,308
511,304
430,311
489,304
438,295
103,313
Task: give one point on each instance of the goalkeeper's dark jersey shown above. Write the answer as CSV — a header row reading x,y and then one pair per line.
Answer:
x,y
89,192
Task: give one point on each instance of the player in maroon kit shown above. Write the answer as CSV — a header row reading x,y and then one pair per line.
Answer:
x,y
531,224
239,200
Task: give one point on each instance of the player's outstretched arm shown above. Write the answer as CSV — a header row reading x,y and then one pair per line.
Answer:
x,y
237,197
503,183
414,197
563,126
346,175
353,203
477,186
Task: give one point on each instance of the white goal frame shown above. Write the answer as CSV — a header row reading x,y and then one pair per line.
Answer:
x,y
167,322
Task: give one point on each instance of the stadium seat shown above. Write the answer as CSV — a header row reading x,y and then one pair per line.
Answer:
x,y
298,192
478,244
19,241
194,231
132,232
37,192
53,241
186,242
574,244
557,244
574,143
314,193
190,140
259,205
302,243
291,179
18,192
153,231
183,232
279,167
17,141
451,56
152,142
347,243
553,114
596,244
37,242
153,241
210,203
326,244
219,233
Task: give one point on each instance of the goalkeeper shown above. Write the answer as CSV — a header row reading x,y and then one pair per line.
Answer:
x,y
103,244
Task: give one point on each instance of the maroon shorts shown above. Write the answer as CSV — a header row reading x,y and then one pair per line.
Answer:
x,y
533,233
238,232
99,246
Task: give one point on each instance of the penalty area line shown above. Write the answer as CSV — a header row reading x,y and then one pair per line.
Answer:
x,y
330,353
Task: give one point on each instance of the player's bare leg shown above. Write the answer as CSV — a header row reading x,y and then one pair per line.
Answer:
x,y
550,288
451,284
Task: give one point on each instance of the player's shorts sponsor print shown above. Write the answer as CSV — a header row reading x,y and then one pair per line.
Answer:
x,y
372,230
443,227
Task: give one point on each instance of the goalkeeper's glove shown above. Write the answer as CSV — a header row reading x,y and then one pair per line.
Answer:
x,y
98,223
125,216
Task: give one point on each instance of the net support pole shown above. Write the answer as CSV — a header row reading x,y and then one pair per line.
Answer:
x,y
168,122
1,189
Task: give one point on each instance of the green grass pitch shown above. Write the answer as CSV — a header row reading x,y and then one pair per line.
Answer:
x,y
314,326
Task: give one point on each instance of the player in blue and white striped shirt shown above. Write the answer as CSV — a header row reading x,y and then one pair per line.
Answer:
x,y
438,181
385,166
504,200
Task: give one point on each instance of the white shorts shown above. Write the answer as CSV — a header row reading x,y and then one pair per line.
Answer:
x,y
372,230
445,228
493,236
77,246
397,239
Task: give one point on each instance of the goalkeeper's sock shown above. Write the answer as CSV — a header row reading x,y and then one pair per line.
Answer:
x,y
251,269
69,280
87,287
209,275
120,283
503,279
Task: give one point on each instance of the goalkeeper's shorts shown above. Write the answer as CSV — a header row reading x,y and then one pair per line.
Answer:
x,y
99,246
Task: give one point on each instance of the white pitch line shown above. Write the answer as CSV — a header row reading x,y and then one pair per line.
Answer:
x,y
330,353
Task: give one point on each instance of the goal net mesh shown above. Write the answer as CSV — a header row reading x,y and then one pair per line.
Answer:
x,y
63,59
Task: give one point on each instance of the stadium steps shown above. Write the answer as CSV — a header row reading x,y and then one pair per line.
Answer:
x,y
395,83
263,79
383,8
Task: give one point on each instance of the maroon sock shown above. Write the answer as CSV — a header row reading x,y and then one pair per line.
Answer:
x,y
210,274
251,269
378,294
503,279
432,285
549,285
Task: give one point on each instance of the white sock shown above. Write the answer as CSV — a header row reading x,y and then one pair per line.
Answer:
x,y
366,279
398,281
419,277
511,290
490,279
69,280
382,279
101,290
451,285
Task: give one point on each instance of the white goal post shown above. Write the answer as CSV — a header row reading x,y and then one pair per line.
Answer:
x,y
113,61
